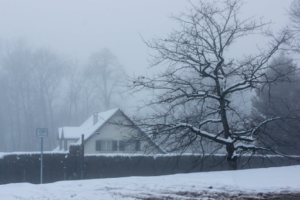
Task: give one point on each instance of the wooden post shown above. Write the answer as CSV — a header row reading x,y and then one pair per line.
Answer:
x,y
82,156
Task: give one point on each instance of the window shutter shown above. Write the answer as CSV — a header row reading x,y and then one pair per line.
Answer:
x,y
137,145
98,145
115,145
121,145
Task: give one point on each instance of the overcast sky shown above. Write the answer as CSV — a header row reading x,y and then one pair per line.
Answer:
x,y
78,28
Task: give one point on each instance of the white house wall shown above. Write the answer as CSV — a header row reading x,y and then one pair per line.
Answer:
x,y
111,132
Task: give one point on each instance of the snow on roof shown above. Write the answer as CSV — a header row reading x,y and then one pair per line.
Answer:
x,y
70,132
102,118
87,128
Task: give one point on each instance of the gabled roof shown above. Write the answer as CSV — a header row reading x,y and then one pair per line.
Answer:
x,y
103,118
87,128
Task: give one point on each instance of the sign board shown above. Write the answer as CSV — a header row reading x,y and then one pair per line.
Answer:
x,y
41,132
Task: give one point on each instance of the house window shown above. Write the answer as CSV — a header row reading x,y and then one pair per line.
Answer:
x,y
137,145
129,146
106,145
121,145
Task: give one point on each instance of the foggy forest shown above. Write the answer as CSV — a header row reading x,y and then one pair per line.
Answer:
x,y
43,89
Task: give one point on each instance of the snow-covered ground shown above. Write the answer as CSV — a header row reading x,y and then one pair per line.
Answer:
x,y
206,185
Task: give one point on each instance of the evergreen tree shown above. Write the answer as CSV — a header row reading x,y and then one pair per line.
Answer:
x,y
279,97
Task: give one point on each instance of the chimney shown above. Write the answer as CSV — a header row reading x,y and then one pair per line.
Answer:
x,y
95,118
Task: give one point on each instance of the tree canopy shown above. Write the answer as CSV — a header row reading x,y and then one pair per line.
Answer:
x,y
194,92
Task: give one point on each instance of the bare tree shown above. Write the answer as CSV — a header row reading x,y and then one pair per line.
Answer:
x,y
104,69
294,28
294,14
15,62
200,75
74,81
30,85
90,96
46,76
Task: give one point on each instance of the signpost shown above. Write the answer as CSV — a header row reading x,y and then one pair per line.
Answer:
x,y
41,133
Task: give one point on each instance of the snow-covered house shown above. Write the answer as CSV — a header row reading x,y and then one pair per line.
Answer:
x,y
103,135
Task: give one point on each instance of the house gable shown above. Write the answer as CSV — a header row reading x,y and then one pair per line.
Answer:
x,y
107,132
111,130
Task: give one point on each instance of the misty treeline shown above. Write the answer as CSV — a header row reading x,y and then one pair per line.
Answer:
x,y
42,89
279,99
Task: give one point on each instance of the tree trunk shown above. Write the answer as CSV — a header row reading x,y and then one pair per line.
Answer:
x,y
231,158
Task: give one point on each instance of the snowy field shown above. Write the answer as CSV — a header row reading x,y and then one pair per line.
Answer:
x,y
208,185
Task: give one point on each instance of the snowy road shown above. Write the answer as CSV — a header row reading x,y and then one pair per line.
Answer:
x,y
211,185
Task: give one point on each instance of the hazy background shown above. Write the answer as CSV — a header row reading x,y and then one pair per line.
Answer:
x,y
75,29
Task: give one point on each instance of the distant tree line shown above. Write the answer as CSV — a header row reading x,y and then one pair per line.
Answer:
x,y
279,99
40,88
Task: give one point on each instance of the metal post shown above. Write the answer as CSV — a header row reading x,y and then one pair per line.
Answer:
x,y
41,133
81,174
41,160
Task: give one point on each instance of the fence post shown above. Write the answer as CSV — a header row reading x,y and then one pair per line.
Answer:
x,y
82,156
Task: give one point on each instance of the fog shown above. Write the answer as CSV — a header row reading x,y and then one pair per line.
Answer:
x,y
78,28
68,33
